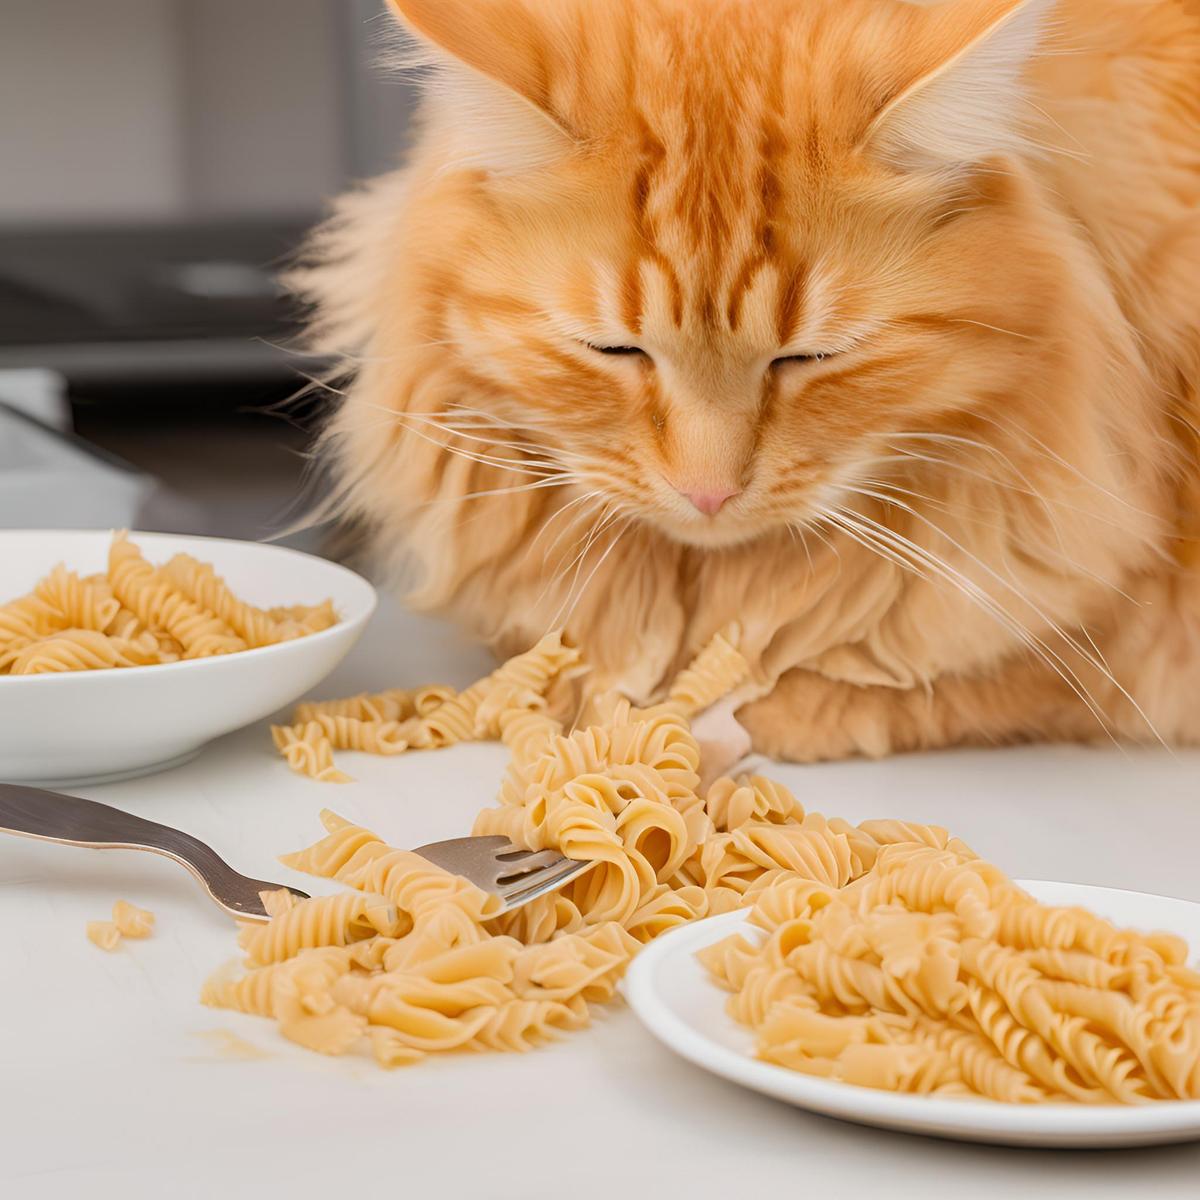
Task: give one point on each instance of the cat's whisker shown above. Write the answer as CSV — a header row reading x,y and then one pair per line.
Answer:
x,y
1005,530
460,418
1030,438
514,489
484,460
1025,337
592,574
471,429
1039,612
608,515
527,422
1047,504
798,536
592,504
832,546
1027,490
457,431
885,542
526,465
588,536
1044,113
394,417
1034,644
584,499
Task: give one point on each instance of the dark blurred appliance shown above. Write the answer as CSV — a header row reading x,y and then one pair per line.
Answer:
x,y
159,167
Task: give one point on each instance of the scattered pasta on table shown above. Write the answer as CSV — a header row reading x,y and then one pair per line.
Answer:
x,y
128,921
884,954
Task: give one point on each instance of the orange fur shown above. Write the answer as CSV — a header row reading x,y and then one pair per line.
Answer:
x,y
968,511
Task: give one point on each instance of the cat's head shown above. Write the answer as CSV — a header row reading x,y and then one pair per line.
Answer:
x,y
721,257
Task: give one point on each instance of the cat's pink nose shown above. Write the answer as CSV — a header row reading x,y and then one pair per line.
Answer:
x,y
709,501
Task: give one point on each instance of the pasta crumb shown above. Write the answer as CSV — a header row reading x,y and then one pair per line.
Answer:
x,y
103,934
131,921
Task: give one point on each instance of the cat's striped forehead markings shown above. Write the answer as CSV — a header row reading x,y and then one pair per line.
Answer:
x,y
707,202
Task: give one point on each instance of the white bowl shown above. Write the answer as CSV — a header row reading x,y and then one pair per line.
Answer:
x,y
96,726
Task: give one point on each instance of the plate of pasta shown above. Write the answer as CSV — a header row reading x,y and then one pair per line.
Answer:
x,y
122,654
1053,1025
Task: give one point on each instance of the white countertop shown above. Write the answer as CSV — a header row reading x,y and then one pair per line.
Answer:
x,y
114,1081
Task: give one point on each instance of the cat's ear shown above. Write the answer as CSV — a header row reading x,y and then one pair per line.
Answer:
x,y
489,77
959,97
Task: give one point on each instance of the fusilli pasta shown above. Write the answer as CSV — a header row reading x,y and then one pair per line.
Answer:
x,y
448,970
933,973
891,956
392,722
137,615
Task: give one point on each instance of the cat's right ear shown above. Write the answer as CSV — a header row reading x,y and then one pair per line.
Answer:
x,y
957,92
494,75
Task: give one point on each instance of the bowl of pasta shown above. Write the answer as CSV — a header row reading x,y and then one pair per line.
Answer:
x,y
125,654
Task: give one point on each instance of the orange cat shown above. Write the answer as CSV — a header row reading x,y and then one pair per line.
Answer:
x,y
871,326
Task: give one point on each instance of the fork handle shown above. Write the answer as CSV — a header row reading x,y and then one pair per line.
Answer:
x,y
74,821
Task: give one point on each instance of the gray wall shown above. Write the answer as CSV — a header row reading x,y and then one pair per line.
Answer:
x,y
120,110
263,107
380,103
88,109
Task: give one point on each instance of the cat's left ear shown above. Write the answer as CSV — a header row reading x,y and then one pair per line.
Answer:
x,y
959,96
497,74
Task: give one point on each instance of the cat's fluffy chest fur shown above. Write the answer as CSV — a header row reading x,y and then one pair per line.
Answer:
x,y
915,289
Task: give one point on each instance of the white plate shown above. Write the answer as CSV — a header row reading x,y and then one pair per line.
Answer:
x,y
97,726
672,994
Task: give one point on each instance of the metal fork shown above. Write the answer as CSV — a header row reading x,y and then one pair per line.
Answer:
x,y
494,864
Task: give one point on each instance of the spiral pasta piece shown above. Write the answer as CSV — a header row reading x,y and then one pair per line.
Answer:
x,y
159,603
255,992
302,619
736,859
732,803
326,921
389,1048
713,674
27,619
396,704
79,650
126,625
528,733
338,851
200,583
80,603
308,751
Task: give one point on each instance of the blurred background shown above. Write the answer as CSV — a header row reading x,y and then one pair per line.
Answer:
x,y
160,161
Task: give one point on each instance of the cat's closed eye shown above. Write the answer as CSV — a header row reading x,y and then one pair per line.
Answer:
x,y
626,350
785,359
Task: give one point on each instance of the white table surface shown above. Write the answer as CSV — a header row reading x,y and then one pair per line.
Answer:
x,y
114,1081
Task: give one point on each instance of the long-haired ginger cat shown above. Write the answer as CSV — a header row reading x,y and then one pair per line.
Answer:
x,y
871,327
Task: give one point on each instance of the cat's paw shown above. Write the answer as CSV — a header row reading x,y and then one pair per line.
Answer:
x,y
809,718
722,739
